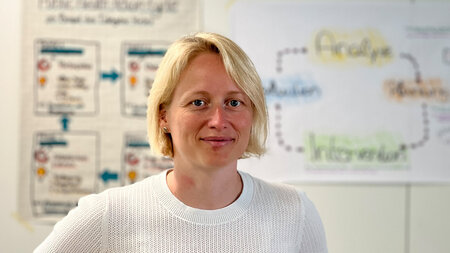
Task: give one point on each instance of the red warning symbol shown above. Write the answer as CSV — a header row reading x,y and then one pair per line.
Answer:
x,y
134,66
132,159
43,65
41,156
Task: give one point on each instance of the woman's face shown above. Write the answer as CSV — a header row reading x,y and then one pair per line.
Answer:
x,y
209,117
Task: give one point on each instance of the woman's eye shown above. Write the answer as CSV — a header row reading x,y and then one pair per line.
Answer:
x,y
198,102
235,103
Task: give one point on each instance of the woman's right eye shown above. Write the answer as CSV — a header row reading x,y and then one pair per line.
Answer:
x,y
198,102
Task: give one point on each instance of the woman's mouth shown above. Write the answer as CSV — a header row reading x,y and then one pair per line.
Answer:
x,y
217,141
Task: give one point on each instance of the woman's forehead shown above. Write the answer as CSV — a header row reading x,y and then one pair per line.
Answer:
x,y
206,73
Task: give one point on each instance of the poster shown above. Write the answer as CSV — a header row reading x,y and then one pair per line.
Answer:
x,y
86,74
355,92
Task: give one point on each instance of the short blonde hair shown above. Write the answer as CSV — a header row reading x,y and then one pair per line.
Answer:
x,y
238,66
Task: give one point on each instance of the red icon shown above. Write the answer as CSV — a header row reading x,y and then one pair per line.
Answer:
x,y
134,66
41,156
43,65
132,159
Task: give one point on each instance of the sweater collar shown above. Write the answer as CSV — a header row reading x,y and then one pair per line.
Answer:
x,y
201,216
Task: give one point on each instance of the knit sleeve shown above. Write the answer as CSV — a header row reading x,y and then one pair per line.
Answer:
x,y
313,236
80,230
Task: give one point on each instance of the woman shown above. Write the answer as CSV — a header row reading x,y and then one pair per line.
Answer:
x,y
206,110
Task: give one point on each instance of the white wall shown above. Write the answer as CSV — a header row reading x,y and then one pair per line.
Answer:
x,y
357,218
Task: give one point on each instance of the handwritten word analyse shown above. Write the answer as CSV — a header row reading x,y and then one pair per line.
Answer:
x,y
365,46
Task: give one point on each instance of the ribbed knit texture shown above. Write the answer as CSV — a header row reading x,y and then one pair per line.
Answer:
x,y
146,217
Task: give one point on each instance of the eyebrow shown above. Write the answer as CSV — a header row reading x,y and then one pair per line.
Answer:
x,y
201,92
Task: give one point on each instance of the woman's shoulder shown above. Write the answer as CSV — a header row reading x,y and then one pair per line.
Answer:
x,y
83,228
268,187
138,186
128,194
99,203
296,205
282,192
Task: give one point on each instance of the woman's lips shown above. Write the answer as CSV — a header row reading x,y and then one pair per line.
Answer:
x,y
217,141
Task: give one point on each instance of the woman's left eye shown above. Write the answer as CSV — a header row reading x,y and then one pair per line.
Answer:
x,y
234,103
198,102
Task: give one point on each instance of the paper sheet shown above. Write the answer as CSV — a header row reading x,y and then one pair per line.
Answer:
x,y
356,92
87,70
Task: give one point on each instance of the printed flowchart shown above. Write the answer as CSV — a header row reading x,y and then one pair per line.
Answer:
x,y
66,163
88,69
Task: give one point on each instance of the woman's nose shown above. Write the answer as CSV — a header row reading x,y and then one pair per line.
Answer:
x,y
218,118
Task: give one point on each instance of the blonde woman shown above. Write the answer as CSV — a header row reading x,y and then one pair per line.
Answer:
x,y
206,110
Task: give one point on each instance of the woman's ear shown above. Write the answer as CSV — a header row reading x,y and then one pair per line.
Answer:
x,y
163,117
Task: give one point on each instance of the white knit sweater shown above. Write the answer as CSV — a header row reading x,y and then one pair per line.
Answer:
x,y
146,217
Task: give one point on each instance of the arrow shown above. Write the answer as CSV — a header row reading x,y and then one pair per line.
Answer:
x,y
414,63
113,75
106,176
65,122
425,121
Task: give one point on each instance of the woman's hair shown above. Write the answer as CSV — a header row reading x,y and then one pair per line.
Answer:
x,y
238,66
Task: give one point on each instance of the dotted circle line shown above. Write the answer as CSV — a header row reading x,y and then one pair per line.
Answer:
x,y
286,51
279,134
415,65
426,131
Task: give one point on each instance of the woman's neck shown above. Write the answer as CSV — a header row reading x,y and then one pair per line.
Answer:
x,y
205,189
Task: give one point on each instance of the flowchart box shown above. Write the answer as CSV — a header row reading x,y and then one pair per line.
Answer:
x,y
138,163
64,168
139,64
66,77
